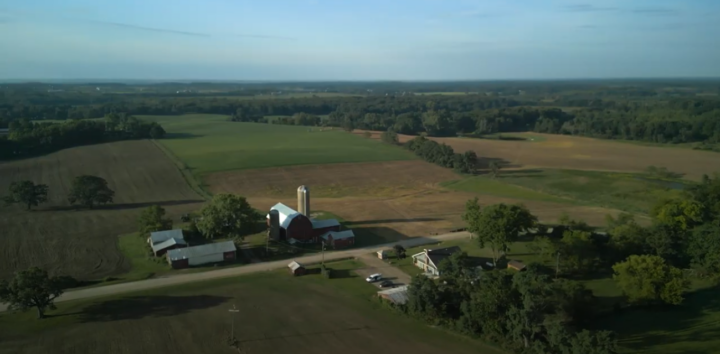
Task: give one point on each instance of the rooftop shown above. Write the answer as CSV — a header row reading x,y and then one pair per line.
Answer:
x,y
321,224
162,236
168,243
438,255
286,214
294,265
397,295
202,250
338,235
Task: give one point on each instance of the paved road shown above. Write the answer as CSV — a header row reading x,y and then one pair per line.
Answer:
x,y
247,269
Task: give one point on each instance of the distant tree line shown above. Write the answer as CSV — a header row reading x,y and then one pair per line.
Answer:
x,y
28,138
443,155
603,112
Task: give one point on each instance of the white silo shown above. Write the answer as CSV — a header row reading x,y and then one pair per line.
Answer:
x,y
303,195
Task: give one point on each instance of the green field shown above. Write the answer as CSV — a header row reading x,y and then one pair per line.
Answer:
x,y
209,143
629,192
497,187
278,314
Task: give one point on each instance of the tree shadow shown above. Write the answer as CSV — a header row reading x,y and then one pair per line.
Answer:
x,y
642,327
370,222
182,136
121,206
343,274
138,307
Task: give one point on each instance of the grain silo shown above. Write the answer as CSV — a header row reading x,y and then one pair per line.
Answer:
x,y
303,195
274,225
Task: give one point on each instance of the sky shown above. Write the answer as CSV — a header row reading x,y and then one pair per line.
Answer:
x,y
328,40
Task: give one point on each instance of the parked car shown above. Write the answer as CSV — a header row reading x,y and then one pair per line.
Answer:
x,y
386,284
373,278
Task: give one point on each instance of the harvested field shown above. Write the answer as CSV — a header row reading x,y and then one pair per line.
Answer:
x,y
333,180
336,316
84,243
577,153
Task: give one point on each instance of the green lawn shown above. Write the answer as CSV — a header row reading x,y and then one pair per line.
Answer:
x,y
499,188
624,191
278,312
209,143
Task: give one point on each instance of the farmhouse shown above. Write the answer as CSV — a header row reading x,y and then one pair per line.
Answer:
x,y
203,254
339,239
296,226
163,241
429,260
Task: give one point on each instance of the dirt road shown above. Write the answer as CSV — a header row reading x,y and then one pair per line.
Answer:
x,y
376,265
247,269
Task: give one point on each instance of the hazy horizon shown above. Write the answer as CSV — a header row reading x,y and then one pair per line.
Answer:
x,y
324,41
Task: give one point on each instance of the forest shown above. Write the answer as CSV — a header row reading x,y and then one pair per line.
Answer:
x,y
650,111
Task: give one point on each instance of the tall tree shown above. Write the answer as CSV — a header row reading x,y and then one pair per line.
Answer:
x,y
89,191
27,193
704,249
399,251
578,251
648,279
227,215
31,288
153,219
472,215
499,225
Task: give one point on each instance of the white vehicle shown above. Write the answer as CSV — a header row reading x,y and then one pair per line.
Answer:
x,y
373,278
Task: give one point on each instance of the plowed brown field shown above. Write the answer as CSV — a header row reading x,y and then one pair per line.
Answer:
x,y
84,243
577,153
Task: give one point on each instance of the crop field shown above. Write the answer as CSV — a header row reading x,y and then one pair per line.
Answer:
x,y
576,153
84,243
209,143
330,316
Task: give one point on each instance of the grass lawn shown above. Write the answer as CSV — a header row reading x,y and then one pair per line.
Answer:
x,y
500,188
209,143
624,191
278,313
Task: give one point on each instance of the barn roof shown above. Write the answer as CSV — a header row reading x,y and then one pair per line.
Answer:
x,y
286,214
516,265
294,265
321,224
162,236
338,235
397,295
202,250
168,243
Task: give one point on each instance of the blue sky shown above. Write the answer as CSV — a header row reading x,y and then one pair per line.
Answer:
x,y
358,39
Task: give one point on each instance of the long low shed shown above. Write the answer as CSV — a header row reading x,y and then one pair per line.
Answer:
x,y
203,254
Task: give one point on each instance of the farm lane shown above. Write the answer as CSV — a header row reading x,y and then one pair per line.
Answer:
x,y
373,265
246,269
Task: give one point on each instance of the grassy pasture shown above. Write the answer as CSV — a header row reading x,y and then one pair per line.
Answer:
x,y
306,314
83,243
209,143
635,193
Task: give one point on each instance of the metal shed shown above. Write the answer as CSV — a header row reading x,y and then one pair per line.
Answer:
x,y
203,254
398,296
162,236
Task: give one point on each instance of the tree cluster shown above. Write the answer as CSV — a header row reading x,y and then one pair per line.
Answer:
x,y
29,138
85,190
227,215
443,155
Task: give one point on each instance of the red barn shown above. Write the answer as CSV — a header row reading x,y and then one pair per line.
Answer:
x,y
339,239
298,227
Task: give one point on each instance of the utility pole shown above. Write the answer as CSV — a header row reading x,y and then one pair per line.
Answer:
x,y
267,242
232,311
323,253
